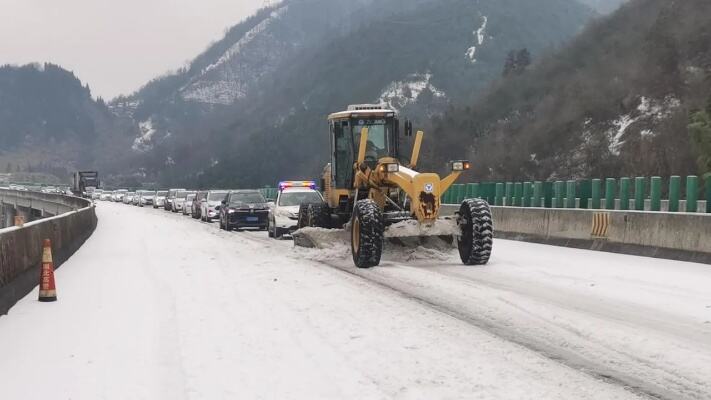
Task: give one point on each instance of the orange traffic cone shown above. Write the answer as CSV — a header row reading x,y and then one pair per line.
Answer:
x,y
47,292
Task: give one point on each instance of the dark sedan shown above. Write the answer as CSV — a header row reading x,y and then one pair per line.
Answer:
x,y
244,209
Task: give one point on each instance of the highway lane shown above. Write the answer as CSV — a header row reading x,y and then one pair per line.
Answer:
x,y
156,305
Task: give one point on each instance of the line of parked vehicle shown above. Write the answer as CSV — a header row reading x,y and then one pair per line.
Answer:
x,y
234,209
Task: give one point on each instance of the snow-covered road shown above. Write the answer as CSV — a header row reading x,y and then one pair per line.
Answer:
x,y
159,306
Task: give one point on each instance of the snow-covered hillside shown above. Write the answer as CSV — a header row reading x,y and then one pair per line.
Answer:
x,y
256,54
278,73
407,92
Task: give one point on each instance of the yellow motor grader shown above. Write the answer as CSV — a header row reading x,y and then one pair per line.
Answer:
x,y
371,192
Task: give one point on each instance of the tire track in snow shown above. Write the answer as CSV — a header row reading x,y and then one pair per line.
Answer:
x,y
558,355
685,388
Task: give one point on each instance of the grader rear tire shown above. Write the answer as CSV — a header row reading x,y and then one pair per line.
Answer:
x,y
367,227
318,215
477,232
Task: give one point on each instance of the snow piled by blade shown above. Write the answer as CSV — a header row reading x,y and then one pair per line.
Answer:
x,y
227,79
143,142
479,36
412,228
334,244
402,93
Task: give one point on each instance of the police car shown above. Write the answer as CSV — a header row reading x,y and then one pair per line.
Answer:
x,y
284,216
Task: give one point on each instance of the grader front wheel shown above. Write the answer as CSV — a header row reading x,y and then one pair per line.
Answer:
x,y
367,228
477,232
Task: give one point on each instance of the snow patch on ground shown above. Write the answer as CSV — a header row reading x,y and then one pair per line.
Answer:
x,y
479,35
648,110
403,93
143,142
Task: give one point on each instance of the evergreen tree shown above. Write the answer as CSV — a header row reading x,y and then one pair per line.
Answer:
x,y
700,131
523,59
516,62
510,63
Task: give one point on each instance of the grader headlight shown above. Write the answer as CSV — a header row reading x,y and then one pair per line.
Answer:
x,y
389,168
461,165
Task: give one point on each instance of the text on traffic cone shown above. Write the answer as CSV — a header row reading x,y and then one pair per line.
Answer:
x,y
48,291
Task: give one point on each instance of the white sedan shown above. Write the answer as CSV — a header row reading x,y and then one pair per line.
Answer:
x,y
284,216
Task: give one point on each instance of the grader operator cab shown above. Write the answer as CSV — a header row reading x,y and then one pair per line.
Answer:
x,y
370,190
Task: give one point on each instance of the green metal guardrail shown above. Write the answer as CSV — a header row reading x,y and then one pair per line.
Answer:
x,y
269,193
638,193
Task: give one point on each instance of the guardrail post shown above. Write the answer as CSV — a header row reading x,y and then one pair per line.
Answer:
x,y
655,193
537,194
558,192
499,194
624,193
469,192
509,193
708,194
476,190
639,193
570,195
518,193
460,193
448,196
674,192
596,196
610,190
692,193
527,189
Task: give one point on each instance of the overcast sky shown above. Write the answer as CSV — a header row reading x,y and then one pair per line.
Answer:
x,y
115,45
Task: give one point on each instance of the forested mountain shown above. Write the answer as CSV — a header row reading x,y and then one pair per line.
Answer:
x,y
252,107
629,96
49,121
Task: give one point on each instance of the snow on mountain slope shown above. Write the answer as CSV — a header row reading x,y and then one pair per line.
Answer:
x,y
143,142
649,113
229,77
277,73
403,93
479,35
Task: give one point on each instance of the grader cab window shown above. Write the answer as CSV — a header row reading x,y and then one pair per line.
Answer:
x,y
342,163
346,140
379,136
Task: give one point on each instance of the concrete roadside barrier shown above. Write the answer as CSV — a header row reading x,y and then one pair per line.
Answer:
x,y
676,236
21,248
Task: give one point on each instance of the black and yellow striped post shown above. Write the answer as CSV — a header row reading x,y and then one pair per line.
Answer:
x,y
600,225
